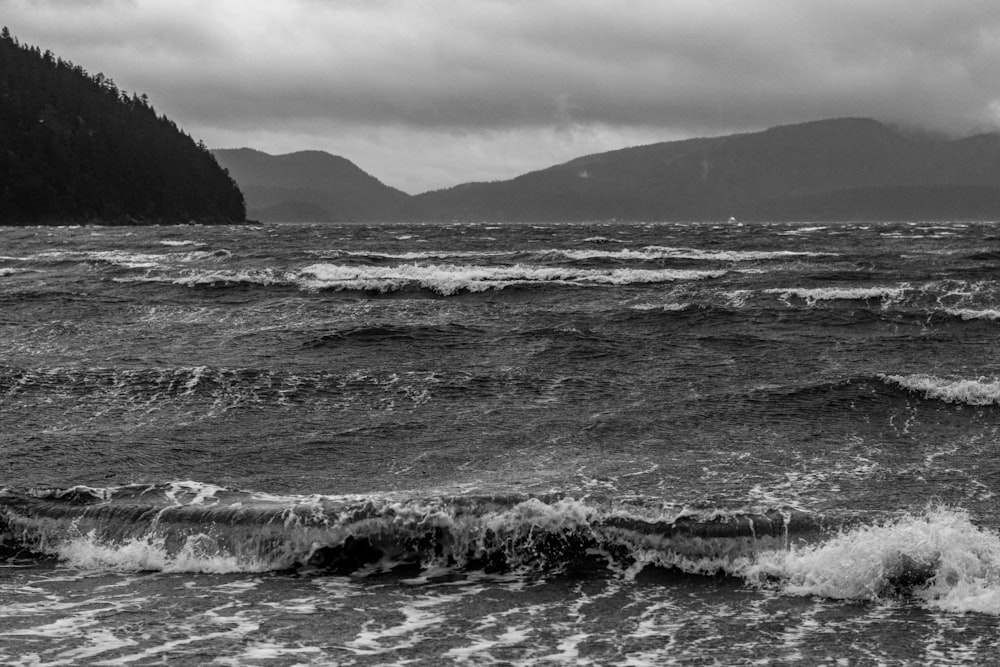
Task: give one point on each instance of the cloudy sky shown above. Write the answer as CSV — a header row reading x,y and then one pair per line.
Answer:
x,y
427,94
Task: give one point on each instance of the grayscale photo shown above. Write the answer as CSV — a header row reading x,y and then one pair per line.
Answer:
x,y
499,332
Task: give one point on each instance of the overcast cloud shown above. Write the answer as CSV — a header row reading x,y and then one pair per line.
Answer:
x,y
431,93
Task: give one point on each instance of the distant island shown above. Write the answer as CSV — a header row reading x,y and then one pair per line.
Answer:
x,y
75,148
838,169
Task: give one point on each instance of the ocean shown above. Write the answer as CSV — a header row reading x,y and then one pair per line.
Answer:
x,y
525,444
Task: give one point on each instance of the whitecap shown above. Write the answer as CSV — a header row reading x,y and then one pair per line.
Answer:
x,y
801,230
939,557
664,252
199,553
168,242
972,314
814,294
971,392
450,279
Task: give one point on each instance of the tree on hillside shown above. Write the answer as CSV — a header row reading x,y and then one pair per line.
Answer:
x,y
74,147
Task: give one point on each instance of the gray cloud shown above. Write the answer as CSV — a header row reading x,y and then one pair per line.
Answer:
x,y
546,77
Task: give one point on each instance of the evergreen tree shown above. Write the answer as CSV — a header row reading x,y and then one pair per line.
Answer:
x,y
73,147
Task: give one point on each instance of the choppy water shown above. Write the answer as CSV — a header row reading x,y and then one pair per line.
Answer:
x,y
473,444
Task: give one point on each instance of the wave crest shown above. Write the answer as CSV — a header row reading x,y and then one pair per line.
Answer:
x,y
444,279
449,279
887,295
988,314
185,525
970,392
939,557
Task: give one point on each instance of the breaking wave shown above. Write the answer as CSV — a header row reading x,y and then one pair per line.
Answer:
x,y
887,295
663,252
646,254
188,525
125,259
445,279
938,557
170,243
980,391
866,392
935,299
989,314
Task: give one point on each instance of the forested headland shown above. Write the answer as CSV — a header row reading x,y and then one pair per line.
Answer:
x,y
75,148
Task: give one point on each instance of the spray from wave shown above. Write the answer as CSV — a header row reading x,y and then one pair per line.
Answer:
x,y
939,557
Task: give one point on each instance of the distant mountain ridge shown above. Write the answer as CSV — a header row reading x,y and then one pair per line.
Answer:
x,y
311,186
838,169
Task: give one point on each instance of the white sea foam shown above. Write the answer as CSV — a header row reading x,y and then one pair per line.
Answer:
x,y
648,253
131,260
601,239
252,276
811,295
412,256
192,493
940,556
450,279
801,230
420,615
664,252
180,243
971,392
972,314
199,553
264,652
478,650
198,255
665,307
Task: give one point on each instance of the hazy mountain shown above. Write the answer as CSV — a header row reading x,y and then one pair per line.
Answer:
x,y
311,186
75,148
824,170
